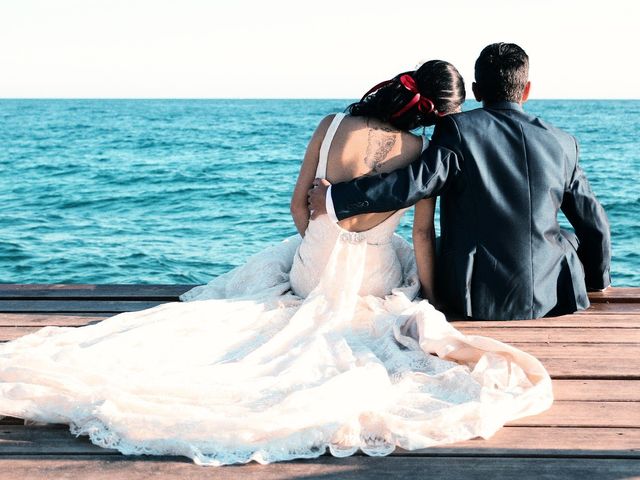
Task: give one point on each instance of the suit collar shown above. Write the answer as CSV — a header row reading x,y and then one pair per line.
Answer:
x,y
503,106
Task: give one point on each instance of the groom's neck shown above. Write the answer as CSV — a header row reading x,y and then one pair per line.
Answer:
x,y
523,98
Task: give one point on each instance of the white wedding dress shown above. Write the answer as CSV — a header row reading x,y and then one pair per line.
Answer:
x,y
313,344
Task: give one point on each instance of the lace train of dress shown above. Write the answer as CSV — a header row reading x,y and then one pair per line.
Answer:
x,y
246,370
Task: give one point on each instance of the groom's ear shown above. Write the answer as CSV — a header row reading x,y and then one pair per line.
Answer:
x,y
525,92
476,91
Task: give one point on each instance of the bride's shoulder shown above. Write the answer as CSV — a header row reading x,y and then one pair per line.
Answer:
x,y
327,120
322,128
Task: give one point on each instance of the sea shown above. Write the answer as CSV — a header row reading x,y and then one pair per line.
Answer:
x,y
180,191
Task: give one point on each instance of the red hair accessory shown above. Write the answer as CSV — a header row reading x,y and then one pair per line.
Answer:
x,y
425,105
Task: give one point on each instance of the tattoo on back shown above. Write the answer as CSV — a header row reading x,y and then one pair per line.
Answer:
x,y
379,144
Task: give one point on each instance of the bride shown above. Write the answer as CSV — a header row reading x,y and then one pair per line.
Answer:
x,y
318,343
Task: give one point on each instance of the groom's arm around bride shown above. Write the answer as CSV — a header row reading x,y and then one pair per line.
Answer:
x,y
502,176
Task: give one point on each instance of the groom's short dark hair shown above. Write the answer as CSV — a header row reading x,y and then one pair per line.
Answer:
x,y
502,71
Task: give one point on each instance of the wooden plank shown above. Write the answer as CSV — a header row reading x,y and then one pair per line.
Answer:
x,y
584,325
586,414
86,291
592,320
11,333
591,361
14,290
557,335
535,441
616,294
624,352
74,319
14,306
564,390
590,390
542,441
564,361
529,441
582,321
129,301
584,367
50,319
600,308
611,308
63,306
573,321
597,390
10,421
45,439
96,467
564,414
598,353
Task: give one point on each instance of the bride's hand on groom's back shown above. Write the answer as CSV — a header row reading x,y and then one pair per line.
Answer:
x,y
318,198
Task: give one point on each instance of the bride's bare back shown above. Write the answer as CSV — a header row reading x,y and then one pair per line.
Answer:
x,y
367,146
360,146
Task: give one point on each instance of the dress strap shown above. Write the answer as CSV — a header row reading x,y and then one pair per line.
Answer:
x,y
321,171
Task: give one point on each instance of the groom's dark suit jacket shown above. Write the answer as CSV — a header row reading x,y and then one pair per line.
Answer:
x,y
502,176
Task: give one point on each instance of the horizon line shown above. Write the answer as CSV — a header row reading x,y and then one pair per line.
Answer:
x,y
295,98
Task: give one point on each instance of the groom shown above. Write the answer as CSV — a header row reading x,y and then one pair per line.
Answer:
x,y
502,175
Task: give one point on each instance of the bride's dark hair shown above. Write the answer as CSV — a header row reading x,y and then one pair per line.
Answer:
x,y
414,99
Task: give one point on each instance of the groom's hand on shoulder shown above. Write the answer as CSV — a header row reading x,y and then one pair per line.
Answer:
x,y
318,197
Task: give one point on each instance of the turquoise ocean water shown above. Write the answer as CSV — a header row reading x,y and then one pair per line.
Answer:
x,y
179,191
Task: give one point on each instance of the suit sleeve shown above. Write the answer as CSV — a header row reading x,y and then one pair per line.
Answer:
x,y
426,176
589,220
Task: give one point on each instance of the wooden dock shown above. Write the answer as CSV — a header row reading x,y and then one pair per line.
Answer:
x,y
592,430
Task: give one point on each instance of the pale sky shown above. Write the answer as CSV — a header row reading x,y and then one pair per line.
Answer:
x,y
304,49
